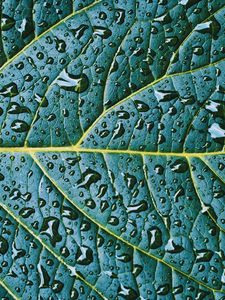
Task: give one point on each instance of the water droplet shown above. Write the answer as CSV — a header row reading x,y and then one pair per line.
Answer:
x,y
179,166
89,177
204,255
141,106
73,83
217,133
188,3
120,16
123,114
50,228
155,237
7,22
137,269
73,160
104,205
26,212
103,32
163,19
4,246
118,131
212,26
84,255
163,289
127,293
25,28
69,213
124,257
102,190
44,277
60,45
57,286
139,207
198,50
173,247
15,108
90,203
20,126
159,169
15,194
131,180
113,221
17,253
79,31
163,96
9,90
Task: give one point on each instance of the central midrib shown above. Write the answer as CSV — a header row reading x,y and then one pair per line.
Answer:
x,y
33,150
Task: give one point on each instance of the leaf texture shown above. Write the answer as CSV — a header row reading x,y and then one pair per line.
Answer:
x,y
112,131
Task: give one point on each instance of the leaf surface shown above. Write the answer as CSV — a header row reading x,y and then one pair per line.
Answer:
x,y
112,124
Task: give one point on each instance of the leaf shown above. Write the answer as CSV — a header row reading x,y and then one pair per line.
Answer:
x,y
22,23
112,150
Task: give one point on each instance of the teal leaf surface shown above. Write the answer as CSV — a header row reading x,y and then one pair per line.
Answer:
x,y
112,161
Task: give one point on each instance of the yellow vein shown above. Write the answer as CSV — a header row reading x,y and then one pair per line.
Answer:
x,y
207,163
189,35
31,150
115,236
46,246
6,287
46,32
199,197
141,90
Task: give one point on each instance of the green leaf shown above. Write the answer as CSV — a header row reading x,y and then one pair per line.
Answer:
x,y
112,154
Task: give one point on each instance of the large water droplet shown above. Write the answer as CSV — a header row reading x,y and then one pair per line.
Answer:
x,y
118,131
79,31
127,293
103,32
20,126
204,255
163,96
9,90
173,247
179,166
15,108
131,180
73,83
4,246
57,286
139,207
25,28
26,212
7,22
44,277
217,132
163,289
60,45
212,26
89,177
120,16
155,237
84,255
50,228
141,106
188,3
69,213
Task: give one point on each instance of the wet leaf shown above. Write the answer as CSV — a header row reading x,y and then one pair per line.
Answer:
x,y
112,162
